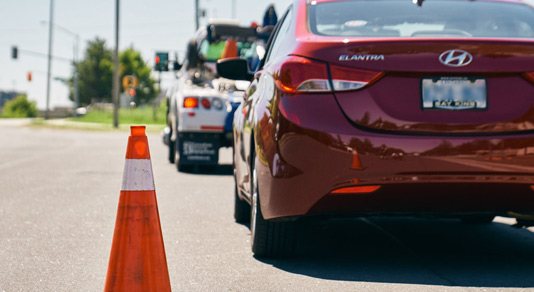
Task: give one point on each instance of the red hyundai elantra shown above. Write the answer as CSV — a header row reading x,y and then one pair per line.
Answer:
x,y
387,107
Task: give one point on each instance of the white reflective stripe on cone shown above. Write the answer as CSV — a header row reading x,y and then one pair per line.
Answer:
x,y
138,175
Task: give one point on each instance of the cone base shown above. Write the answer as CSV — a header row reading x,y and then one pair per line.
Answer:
x,y
137,261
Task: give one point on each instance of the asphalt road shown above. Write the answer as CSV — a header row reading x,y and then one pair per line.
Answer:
x,y
59,191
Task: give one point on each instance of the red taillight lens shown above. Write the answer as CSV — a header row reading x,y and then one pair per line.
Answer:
x,y
344,79
205,103
529,76
190,102
299,74
356,190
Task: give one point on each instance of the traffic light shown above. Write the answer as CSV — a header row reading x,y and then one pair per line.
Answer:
x,y
29,76
161,61
131,92
14,52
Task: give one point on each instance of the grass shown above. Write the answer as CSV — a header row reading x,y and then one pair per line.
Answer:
x,y
102,120
139,115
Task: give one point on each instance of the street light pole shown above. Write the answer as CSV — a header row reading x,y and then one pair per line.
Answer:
x,y
116,69
49,70
74,63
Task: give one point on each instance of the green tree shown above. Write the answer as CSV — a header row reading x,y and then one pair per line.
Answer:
x,y
20,107
96,72
131,63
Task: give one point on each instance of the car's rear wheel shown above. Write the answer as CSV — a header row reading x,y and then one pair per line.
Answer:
x,y
269,239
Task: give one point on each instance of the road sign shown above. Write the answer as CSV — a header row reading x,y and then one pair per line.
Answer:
x,y
130,81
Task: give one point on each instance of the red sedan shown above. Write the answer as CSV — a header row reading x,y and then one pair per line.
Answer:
x,y
390,107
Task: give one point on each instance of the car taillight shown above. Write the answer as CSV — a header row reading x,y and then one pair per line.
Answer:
x,y
298,74
190,102
205,103
529,76
345,79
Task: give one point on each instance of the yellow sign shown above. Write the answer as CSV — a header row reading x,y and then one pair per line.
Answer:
x,y
130,81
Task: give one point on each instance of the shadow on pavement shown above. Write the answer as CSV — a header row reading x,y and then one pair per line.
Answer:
x,y
220,169
413,251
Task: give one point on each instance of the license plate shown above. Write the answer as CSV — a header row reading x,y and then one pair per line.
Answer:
x,y
199,151
454,93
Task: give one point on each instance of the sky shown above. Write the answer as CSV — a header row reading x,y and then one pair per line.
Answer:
x,y
148,26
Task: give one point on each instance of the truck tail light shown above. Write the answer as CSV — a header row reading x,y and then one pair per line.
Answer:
x,y
191,102
205,103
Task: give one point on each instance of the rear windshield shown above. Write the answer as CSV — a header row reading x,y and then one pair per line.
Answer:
x,y
433,18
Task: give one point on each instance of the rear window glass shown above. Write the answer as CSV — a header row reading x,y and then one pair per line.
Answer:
x,y
213,51
434,18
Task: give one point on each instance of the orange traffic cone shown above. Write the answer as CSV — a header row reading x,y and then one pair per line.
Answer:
x,y
137,261
356,164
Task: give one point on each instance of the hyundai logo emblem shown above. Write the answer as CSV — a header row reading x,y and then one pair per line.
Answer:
x,y
455,58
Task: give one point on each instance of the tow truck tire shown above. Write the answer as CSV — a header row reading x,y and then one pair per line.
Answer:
x,y
172,151
177,155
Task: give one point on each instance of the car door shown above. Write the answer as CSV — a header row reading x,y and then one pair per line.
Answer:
x,y
255,92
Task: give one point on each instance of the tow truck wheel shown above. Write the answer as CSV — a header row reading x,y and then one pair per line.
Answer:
x,y
172,151
178,157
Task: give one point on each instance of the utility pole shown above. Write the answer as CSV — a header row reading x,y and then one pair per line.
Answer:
x,y
116,69
233,9
74,62
197,15
49,70
76,76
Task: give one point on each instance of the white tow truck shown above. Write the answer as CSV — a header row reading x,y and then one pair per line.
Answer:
x,y
200,104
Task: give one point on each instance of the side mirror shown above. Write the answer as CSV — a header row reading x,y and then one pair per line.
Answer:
x,y
234,69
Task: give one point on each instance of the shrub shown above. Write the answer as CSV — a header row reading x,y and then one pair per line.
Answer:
x,y
20,107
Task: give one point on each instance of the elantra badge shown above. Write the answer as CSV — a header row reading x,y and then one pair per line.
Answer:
x,y
361,58
455,58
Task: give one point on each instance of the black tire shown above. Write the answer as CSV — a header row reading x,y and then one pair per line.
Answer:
x,y
477,219
268,239
177,157
172,151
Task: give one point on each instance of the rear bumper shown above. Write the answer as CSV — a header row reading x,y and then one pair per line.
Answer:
x,y
299,168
